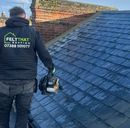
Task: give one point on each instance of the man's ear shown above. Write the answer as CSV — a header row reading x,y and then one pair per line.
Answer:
x,y
24,16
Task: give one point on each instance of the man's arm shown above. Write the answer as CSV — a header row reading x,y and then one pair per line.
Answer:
x,y
43,53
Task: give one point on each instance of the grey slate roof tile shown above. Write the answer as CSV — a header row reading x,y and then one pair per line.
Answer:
x,y
51,106
61,119
97,81
105,112
122,106
57,111
71,106
85,86
41,117
101,95
34,105
117,119
111,100
56,125
126,124
116,59
73,123
78,82
99,124
93,90
94,106
92,63
45,101
106,85
125,95
78,96
37,111
99,71
116,89
86,101
47,123
72,91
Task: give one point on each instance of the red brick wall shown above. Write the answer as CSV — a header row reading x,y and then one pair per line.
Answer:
x,y
53,22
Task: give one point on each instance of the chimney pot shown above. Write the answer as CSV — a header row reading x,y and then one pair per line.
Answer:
x,y
3,14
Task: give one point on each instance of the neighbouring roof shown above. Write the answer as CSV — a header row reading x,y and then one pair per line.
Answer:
x,y
93,64
3,18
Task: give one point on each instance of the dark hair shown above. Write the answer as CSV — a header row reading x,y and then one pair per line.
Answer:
x,y
16,11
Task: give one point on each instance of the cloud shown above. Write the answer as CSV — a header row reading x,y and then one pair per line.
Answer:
x,y
22,1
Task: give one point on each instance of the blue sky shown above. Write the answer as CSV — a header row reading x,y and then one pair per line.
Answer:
x,y
5,5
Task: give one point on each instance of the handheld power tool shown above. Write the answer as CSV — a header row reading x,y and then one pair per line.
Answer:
x,y
49,84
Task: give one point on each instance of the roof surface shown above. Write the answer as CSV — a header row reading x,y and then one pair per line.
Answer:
x,y
93,64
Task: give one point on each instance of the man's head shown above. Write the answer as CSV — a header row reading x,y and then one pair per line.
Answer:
x,y
17,12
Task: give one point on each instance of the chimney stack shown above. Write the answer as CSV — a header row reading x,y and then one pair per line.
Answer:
x,y
3,14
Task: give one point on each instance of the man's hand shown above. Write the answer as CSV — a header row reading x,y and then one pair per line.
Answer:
x,y
51,73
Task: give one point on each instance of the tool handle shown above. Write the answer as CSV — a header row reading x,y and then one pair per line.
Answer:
x,y
61,87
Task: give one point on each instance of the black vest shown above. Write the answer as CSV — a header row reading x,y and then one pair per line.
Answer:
x,y
18,58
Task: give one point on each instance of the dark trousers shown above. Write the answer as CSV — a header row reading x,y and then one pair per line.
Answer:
x,y
22,90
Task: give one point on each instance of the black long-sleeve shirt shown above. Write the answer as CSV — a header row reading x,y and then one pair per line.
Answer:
x,y
18,46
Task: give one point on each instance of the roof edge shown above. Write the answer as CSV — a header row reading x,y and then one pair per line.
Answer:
x,y
72,29
117,12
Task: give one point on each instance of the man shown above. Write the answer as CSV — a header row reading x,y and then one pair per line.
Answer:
x,y
18,66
